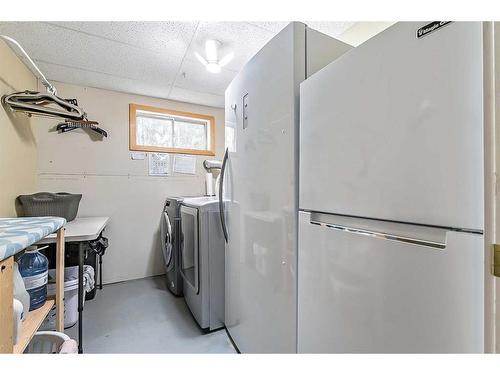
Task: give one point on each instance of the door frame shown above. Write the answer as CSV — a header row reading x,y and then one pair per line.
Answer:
x,y
491,202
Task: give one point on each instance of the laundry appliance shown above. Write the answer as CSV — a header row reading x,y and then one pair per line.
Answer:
x,y
202,261
169,242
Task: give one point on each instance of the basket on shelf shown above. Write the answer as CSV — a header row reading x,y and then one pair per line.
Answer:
x,y
49,204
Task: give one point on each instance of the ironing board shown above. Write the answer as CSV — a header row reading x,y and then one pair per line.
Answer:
x,y
16,234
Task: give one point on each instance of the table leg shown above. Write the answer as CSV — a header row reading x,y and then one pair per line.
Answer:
x,y
60,280
80,297
100,271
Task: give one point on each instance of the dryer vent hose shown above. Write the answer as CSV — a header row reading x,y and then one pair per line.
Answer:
x,y
210,165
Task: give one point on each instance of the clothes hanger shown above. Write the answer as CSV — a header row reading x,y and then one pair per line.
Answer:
x,y
35,103
47,104
44,104
68,125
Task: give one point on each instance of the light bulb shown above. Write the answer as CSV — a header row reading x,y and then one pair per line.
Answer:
x,y
213,67
211,47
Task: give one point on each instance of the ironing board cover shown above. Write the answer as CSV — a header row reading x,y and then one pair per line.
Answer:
x,y
16,234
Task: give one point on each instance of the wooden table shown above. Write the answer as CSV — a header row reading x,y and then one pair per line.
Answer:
x,y
81,230
16,234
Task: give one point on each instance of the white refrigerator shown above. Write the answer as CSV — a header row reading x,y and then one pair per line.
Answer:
x,y
259,195
391,195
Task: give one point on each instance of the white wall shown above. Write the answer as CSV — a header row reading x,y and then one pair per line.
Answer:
x,y
17,139
111,183
362,31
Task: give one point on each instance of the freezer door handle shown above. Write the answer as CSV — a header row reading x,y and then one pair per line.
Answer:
x,y
381,235
221,195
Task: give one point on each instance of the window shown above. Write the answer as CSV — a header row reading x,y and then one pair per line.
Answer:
x,y
163,130
229,135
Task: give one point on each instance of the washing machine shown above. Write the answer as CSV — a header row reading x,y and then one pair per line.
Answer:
x,y
170,241
202,256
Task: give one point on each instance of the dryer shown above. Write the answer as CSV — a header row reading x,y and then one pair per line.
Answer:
x,y
170,239
202,257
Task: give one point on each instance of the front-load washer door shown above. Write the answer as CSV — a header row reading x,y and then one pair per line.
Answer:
x,y
189,247
166,241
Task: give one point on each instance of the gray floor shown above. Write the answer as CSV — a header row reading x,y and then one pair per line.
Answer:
x,y
141,316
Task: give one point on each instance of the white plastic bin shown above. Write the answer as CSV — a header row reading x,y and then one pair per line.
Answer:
x,y
70,299
70,273
46,342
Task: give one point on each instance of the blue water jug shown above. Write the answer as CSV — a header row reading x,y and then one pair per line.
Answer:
x,y
34,268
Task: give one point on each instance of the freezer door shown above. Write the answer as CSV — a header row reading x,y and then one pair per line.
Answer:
x,y
260,196
393,129
366,286
260,189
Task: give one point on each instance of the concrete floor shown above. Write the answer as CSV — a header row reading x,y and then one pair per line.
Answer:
x,y
141,316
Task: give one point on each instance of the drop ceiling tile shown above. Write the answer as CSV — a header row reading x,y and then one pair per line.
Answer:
x,y
172,38
333,29
52,44
196,97
103,81
194,76
146,58
274,27
242,38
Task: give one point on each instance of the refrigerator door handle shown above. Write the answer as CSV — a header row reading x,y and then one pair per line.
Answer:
x,y
381,235
221,188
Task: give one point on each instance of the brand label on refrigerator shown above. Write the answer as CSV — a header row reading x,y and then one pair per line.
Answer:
x,y
431,27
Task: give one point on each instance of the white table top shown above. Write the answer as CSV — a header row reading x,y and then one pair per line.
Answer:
x,y
81,229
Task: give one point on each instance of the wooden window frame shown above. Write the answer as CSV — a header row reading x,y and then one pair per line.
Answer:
x,y
133,146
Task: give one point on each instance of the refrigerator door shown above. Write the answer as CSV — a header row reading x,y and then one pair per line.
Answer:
x,y
393,129
367,286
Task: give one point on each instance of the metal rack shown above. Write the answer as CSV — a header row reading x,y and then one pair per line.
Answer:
x,y
28,61
40,104
47,104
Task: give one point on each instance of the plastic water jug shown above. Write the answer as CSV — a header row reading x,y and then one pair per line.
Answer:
x,y
34,268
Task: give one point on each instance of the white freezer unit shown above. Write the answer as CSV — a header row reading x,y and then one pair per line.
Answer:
x,y
391,254
260,188
394,129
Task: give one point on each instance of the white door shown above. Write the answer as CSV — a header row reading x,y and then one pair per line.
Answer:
x,y
260,197
495,130
367,286
491,43
261,188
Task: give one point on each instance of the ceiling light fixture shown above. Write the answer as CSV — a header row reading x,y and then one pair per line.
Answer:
x,y
211,61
